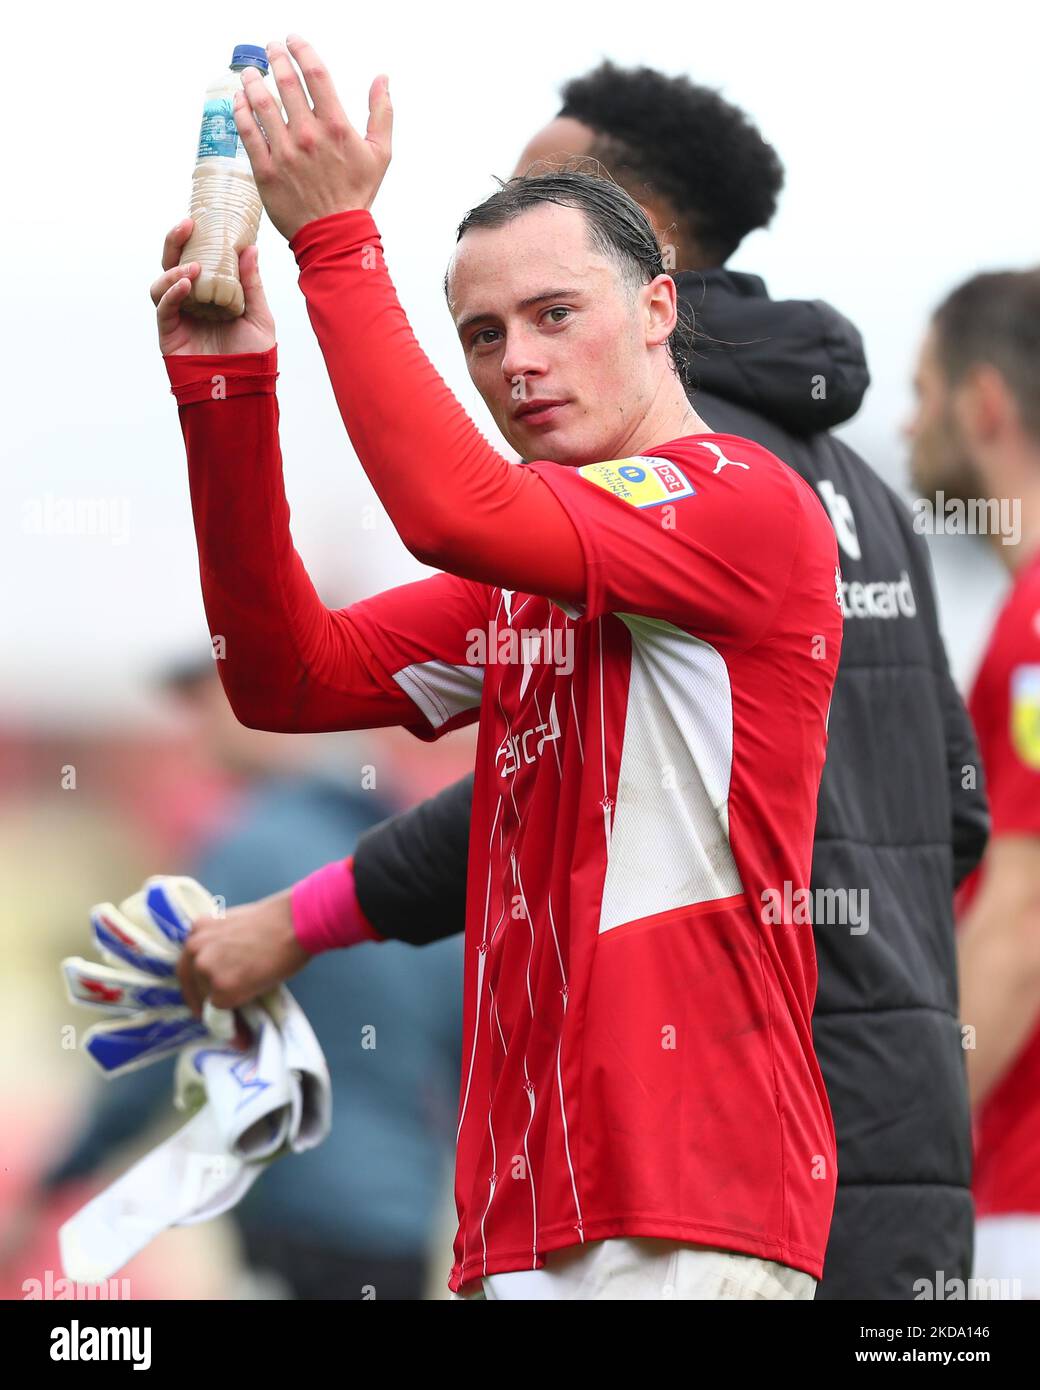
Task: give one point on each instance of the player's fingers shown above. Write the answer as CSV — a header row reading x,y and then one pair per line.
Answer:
x,y
201,925
290,88
252,287
323,96
229,996
170,277
192,986
380,116
170,304
255,107
226,979
175,240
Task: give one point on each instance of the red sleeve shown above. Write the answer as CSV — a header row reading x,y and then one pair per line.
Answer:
x,y
456,502
430,637
287,662
712,534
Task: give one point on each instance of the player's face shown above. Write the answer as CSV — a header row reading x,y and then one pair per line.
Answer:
x,y
555,341
939,457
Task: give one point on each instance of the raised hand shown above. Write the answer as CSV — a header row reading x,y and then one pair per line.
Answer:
x,y
313,162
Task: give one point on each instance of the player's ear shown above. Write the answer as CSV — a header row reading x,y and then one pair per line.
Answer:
x,y
660,308
982,404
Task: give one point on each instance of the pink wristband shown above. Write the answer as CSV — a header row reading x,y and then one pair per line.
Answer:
x,y
325,911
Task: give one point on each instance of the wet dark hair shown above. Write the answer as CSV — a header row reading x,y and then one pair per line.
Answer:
x,y
618,227
995,318
669,138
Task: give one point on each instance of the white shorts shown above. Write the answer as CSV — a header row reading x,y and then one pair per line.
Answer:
x,y
1007,1257
639,1268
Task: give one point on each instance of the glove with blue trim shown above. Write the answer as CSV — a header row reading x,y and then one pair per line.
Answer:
x,y
253,1080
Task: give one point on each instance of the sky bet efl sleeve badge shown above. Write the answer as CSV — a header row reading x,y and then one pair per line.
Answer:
x,y
1025,714
643,481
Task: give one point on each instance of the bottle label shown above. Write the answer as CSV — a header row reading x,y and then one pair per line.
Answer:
x,y
218,135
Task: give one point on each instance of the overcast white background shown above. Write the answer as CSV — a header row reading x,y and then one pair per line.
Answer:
x,y
908,132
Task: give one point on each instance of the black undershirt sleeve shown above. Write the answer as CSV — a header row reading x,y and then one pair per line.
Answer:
x,y
410,870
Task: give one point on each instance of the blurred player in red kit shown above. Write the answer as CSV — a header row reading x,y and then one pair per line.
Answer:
x,y
644,617
976,441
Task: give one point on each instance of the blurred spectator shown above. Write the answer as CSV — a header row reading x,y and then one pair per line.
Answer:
x,y
976,463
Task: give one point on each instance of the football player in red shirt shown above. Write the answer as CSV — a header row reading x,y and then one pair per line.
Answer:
x,y
645,619
976,441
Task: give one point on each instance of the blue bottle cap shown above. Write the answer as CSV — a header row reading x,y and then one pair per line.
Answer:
x,y
249,55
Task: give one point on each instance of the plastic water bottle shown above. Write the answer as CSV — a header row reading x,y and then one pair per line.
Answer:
x,y
225,204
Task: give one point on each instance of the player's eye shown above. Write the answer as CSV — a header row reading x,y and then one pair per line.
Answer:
x,y
480,338
558,309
